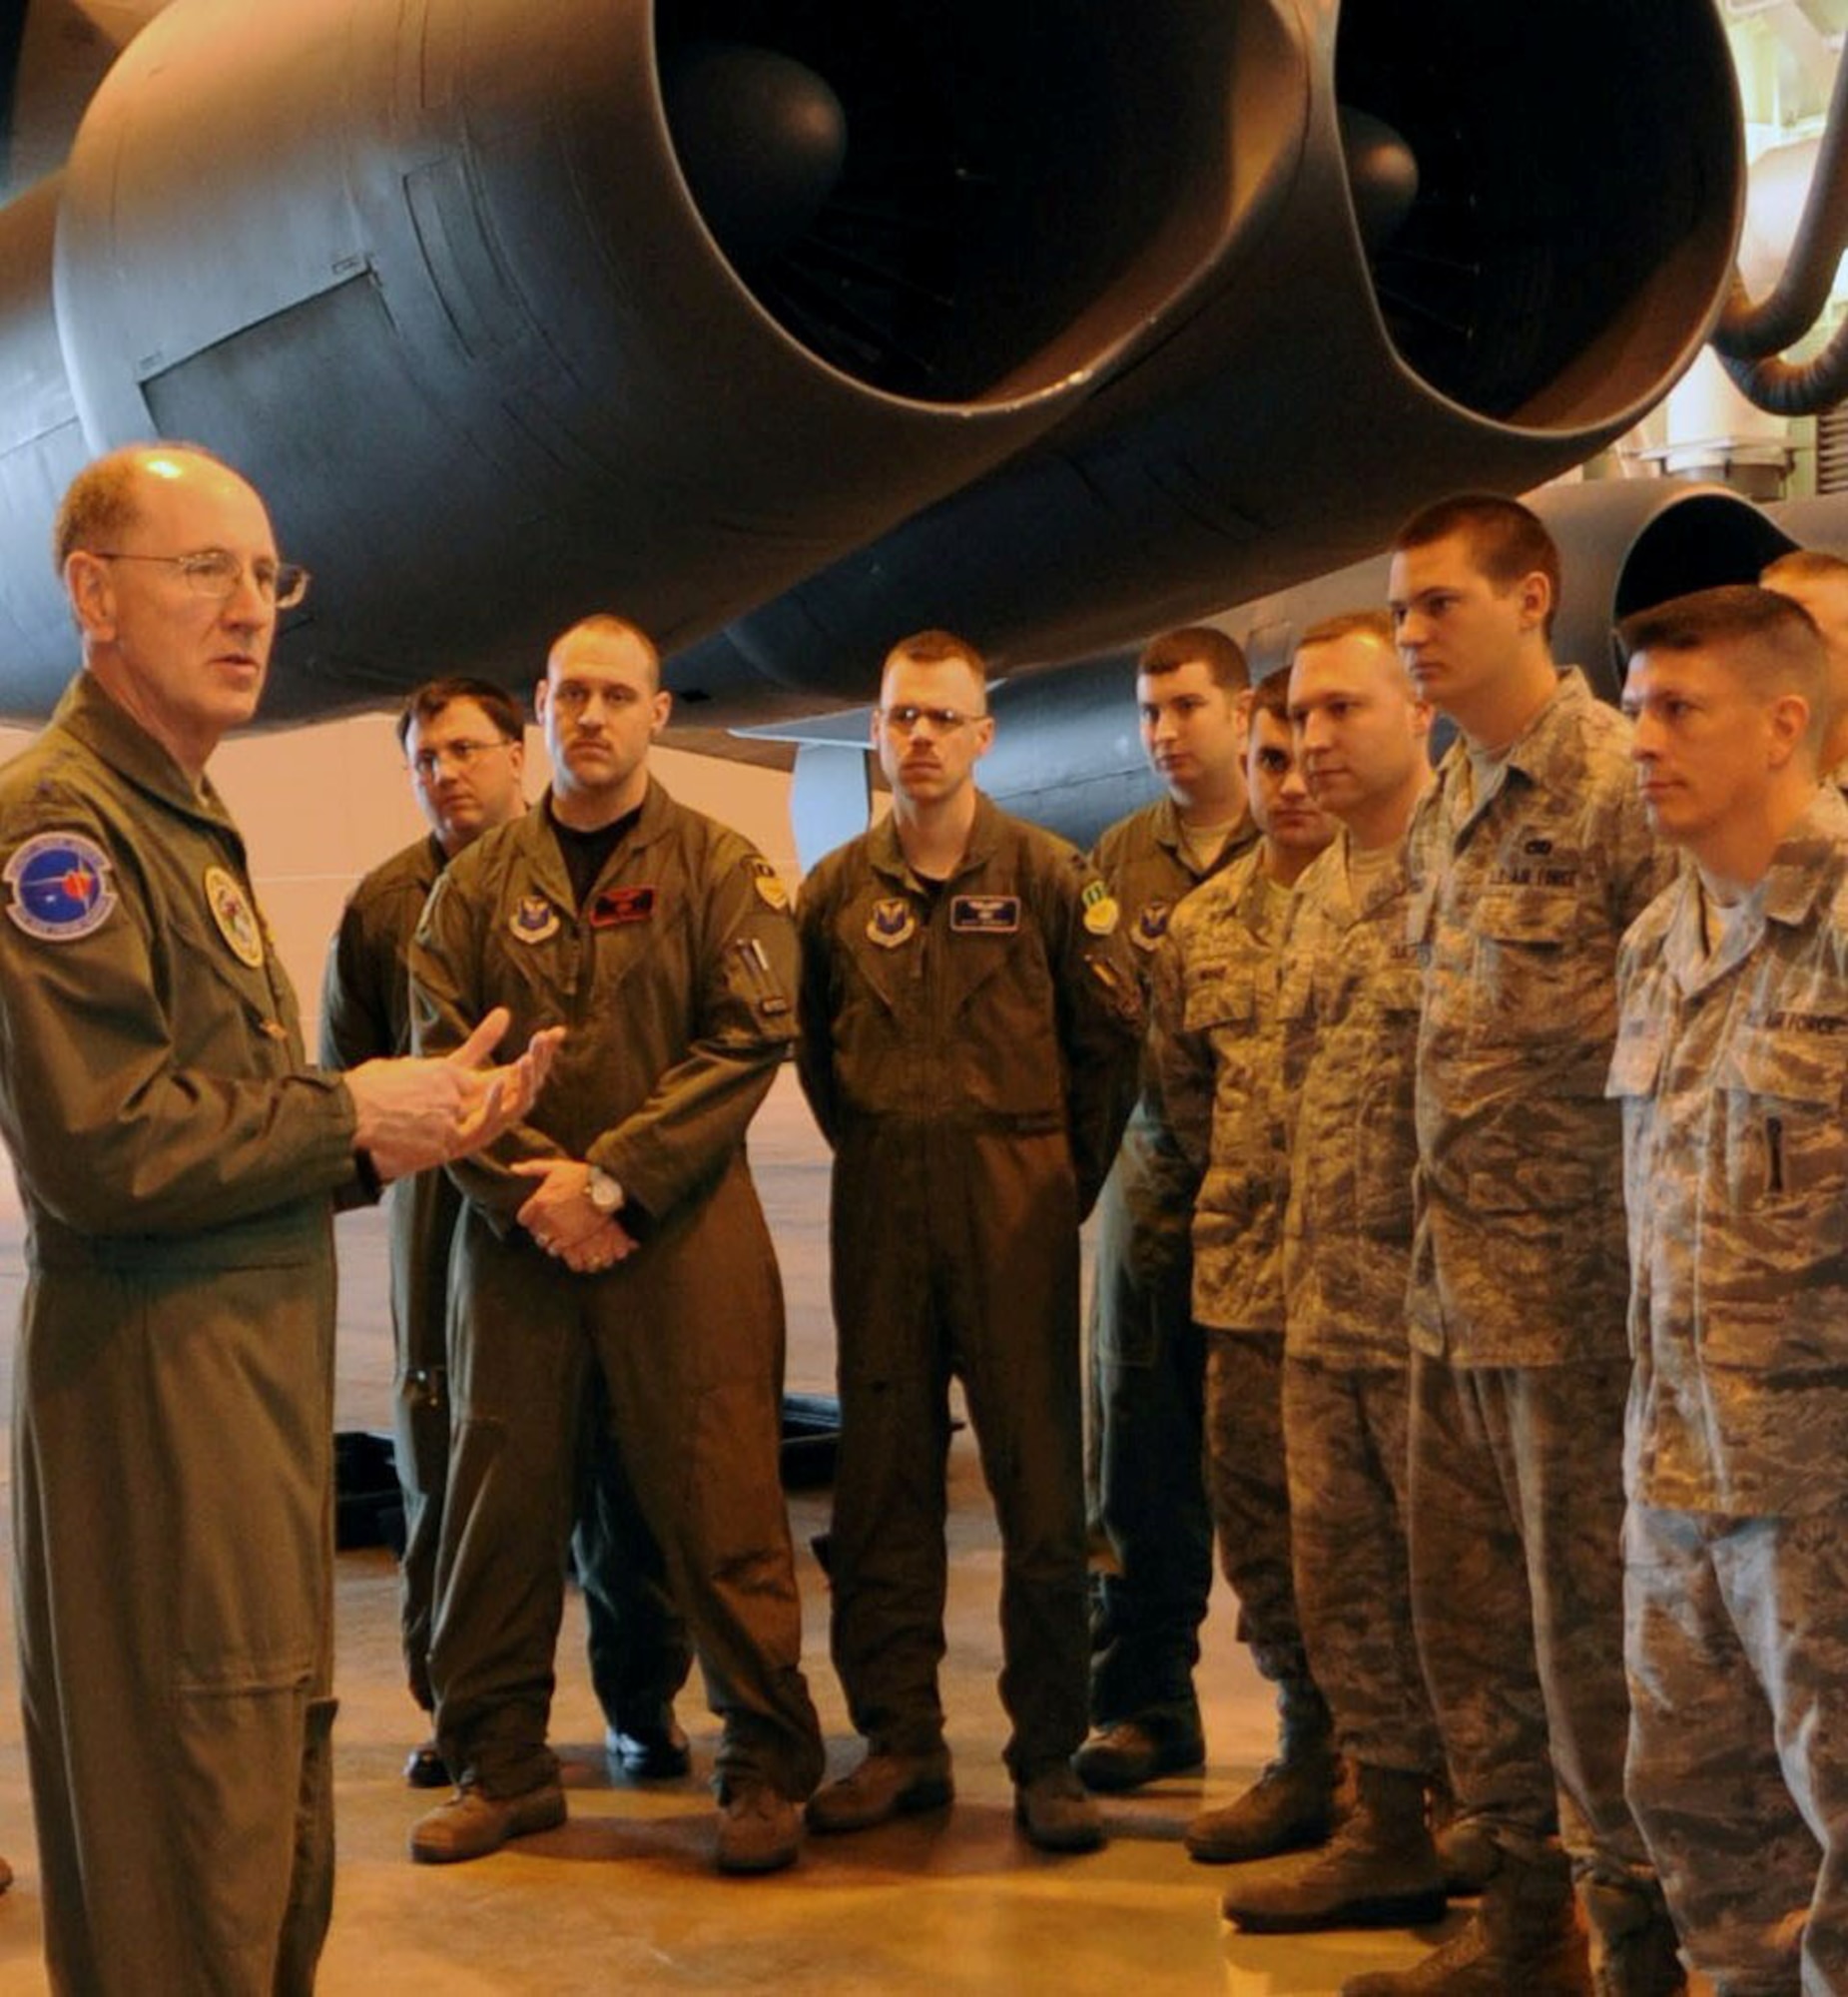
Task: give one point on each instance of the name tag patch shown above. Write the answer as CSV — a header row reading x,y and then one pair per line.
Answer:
x,y
621,905
985,914
60,884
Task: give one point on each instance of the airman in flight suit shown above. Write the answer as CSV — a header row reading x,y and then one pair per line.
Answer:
x,y
969,1030
178,1161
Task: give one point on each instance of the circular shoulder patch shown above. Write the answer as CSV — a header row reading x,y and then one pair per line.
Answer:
x,y
236,919
1101,915
60,884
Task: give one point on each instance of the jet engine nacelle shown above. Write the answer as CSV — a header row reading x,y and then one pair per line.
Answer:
x,y
1510,232
513,312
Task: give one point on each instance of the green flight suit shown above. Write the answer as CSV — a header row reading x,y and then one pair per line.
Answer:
x,y
676,983
970,1053
639,1656
1148,1352
173,1421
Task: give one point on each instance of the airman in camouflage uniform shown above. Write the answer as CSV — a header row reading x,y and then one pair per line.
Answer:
x,y
1528,861
1731,1065
1349,1009
1216,1051
1819,582
1148,1353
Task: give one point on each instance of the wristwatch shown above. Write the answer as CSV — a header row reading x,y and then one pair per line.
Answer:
x,y
605,1193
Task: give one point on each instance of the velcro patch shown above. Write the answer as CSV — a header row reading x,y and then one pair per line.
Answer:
x,y
60,884
985,914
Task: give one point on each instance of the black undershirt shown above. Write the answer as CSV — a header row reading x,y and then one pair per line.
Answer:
x,y
585,854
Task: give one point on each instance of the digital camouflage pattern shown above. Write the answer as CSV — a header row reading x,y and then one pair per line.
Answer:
x,y
1249,1485
1345,1427
1217,1056
1518,901
1738,1669
1517,1597
1350,991
1732,1072
1732,1069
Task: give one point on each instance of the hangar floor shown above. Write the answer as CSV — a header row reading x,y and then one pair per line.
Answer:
x,y
624,1897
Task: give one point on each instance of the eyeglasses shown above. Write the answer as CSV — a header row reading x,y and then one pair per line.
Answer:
x,y
946,720
215,572
428,762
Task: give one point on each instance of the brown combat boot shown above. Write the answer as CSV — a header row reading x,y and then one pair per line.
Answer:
x,y
1289,1808
1636,1944
1523,1941
1379,1871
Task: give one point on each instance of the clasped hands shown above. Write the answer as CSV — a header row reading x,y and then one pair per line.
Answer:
x,y
422,1110
564,1221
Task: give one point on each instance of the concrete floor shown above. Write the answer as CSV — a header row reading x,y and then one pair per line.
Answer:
x,y
624,1897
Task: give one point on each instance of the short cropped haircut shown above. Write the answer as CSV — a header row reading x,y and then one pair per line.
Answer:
x,y
1507,540
102,503
1770,641
1271,695
424,704
1222,656
606,624
1804,565
1352,625
938,648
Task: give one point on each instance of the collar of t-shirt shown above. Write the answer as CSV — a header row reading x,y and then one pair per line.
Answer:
x,y
586,852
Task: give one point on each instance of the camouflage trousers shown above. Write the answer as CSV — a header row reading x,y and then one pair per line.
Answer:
x,y
1345,1433
1518,1598
1738,1670
1249,1488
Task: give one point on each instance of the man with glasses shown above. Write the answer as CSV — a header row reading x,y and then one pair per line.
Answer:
x,y
178,1161
465,743
971,1024
616,1233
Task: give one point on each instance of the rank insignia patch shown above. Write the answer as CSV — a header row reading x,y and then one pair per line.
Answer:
x,y
985,914
768,883
534,920
621,905
236,919
60,884
892,923
1151,924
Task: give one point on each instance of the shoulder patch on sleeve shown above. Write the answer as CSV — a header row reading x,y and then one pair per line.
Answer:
x,y
1100,910
60,882
768,882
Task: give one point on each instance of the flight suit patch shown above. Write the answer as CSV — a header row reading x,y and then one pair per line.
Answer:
x,y
893,921
768,883
985,914
1151,924
534,920
621,905
236,918
60,884
1100,911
